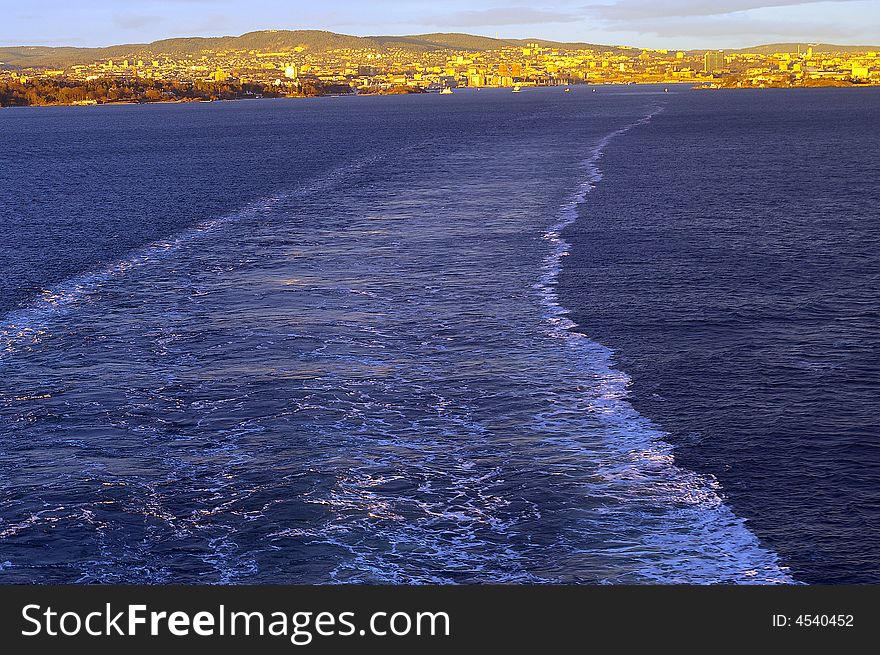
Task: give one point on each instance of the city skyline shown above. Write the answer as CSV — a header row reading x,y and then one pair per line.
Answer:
x,y
673,24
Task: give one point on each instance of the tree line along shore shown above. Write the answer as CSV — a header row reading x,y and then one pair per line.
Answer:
x,y
42,92
48,92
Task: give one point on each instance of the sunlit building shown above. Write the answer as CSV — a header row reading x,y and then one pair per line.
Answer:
x,y
713,61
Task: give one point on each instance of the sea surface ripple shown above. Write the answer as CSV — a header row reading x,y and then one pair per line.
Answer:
x,y
365,374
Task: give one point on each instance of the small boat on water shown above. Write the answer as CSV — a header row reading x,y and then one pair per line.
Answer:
x,y
567,90
517,88
447,90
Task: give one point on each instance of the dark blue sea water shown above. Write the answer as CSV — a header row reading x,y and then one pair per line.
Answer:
x,y
328,341
730,259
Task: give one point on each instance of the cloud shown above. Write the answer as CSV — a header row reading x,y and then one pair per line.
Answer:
x,y
135,21
501,16
627,10
660,17
212,23
739,25
753,19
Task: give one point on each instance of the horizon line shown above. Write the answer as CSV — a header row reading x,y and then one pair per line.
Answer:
x,y
401,36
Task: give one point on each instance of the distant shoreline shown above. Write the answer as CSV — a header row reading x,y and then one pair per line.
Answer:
x,y
831,84
279,63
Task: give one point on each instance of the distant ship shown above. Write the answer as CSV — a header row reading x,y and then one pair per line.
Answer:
x,y
517,88
447,90
567,90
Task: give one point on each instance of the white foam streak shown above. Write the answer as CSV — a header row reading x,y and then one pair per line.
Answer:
x,y
27,327
713,544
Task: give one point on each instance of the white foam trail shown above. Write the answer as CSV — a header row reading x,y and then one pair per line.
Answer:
x,y
644,462
26,327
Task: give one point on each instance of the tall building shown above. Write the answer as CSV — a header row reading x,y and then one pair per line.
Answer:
x,y
713,61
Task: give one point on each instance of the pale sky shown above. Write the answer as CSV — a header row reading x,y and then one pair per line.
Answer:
x,y
674,24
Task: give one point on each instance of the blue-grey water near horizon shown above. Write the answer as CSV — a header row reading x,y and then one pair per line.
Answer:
x,y
622,336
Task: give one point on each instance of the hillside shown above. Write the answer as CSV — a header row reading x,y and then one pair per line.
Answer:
x,y
311,40
268,41
770,48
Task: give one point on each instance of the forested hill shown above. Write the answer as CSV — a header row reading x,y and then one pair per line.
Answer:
x,y
770,48
264,41
314,41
